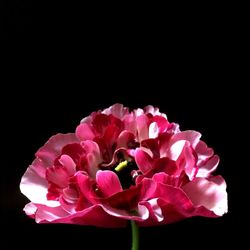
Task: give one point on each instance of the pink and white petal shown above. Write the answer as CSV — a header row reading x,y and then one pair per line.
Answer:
x,y
174,205
210,166
153,130
68,163
130,123
203,152
70,195
162,123
154,209
117,110
187,161
154,111
35,188
210,193
142,127
143,160
52,149
30,209
68,207
140,213
85,132
189,135
49,214
138,112
124,139
176,149
174,128
108,182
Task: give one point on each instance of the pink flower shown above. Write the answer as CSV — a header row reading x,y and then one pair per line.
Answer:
x,y
120,166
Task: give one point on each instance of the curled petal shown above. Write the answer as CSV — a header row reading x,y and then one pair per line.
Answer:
x,y
203,152
190,135
210,166
93,156
52,149
143,160
153,130
210,193
176,149
125,139
108,182
117,110
84,132
68,163
155,212
151,144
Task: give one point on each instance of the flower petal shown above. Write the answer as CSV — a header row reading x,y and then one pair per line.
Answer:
x,y
140,213
84,132
189,135
93,156
176,149
117,110
153,130
126,139
154,209
143,160
108,182
94,216
203,152
210,166
68,163
210,193
35,188
142,127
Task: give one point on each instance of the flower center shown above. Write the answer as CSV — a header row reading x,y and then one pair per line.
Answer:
x,y
121,166
124,171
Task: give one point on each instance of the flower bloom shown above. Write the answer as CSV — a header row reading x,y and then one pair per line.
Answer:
x,y
121,165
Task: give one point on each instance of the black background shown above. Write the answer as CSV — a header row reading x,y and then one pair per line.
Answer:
x,y
60,64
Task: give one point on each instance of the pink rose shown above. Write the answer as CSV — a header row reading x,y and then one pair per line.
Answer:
x,y
120,166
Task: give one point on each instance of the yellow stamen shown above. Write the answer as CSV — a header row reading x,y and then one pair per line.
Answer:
x,y
121,166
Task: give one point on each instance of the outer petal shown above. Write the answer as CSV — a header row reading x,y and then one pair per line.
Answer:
x,y
35,188
142,127
85,132
155,212
153,110
203,152
95,216
140,213
153,130
210,193
108,182
126,139
117,110
52,149
30,209
190,135
210,166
